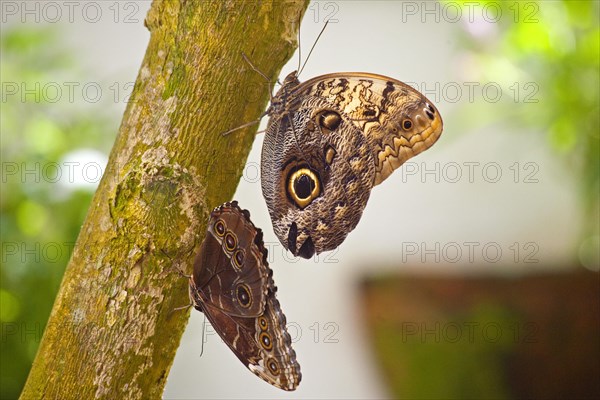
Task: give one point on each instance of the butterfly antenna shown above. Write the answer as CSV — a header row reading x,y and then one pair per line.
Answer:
x,y
313,47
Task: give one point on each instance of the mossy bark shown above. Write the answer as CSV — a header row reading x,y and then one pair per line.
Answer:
x,y
112,332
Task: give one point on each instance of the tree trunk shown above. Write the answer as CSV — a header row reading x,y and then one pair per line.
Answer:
x,y
113,332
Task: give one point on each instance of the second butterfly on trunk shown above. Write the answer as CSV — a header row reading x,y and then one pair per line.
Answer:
x,y
233,286
329,140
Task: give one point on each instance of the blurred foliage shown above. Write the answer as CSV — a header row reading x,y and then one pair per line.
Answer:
x,y
42,205
546,56
455,369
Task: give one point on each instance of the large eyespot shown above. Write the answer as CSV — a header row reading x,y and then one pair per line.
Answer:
x,y
329,120
273,366
238,258
303,186
407,124
263,323
219,227
265,341
230,241
243,296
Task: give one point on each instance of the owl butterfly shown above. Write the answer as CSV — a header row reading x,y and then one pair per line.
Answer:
x,y
233,286
328,141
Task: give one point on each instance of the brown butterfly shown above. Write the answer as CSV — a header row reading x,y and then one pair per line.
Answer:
x,y
233,286
329,140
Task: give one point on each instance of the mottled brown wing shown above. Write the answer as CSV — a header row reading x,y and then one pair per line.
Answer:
x,y
238,297
229,268
328,142
262,344
315,181
399,121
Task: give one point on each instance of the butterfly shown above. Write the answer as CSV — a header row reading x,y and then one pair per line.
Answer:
x,y
233,286
328,141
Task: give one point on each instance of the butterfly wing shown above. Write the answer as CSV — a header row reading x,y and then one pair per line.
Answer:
x,y
255,330
328,142
399,121
228,269
262,344
316,181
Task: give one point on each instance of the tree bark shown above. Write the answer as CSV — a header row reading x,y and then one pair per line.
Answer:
x,y
113,332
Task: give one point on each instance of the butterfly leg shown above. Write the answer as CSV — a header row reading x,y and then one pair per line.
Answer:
x,y
173,311
247,124
183,307
176,268
256,69
179,271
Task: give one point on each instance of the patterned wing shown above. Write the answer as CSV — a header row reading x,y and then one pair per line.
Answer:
x,y
229,269
328,142
399,121
227,291
262,344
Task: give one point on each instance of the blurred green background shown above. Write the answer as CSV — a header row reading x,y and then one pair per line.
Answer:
x,y
42,207
556,46
45,196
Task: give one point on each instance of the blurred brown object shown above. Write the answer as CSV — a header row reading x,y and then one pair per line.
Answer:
x,y
535,336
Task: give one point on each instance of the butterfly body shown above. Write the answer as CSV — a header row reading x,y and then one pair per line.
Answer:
x,y
232,285
329,140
